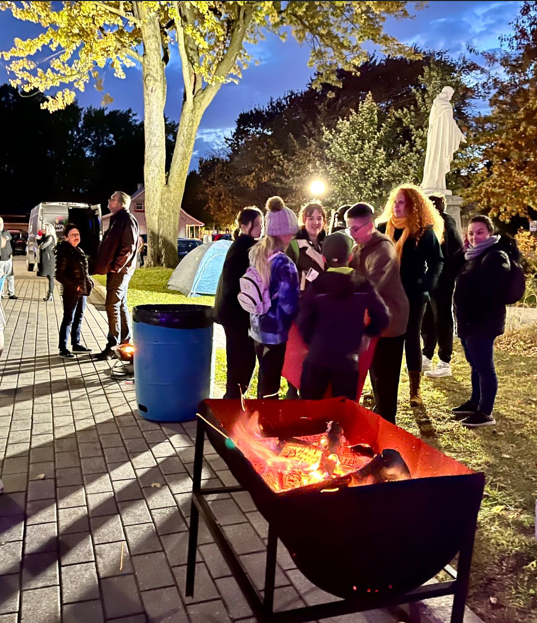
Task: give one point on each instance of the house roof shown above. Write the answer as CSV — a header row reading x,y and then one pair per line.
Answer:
x,y
189,218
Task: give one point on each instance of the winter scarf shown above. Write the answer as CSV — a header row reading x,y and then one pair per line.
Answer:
x,y
473,252
398,223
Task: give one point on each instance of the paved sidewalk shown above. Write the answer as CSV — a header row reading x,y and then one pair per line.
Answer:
x,y
94,518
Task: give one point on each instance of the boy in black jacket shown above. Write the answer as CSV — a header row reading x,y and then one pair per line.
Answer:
x,y
332,321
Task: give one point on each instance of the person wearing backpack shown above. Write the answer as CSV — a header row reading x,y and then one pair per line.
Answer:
x,y
270,291
487,269
240,351
305,251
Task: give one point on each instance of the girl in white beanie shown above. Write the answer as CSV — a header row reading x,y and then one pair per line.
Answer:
x,y
270,331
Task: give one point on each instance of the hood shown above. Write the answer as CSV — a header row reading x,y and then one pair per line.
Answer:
x,y
338,284
508,244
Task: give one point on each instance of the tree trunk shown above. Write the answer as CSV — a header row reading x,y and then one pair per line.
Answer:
x,y
154,81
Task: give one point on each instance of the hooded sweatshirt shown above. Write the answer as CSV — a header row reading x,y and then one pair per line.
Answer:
x,y
376,260
332,317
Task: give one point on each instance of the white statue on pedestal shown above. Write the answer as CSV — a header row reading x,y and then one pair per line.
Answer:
x,y
443,140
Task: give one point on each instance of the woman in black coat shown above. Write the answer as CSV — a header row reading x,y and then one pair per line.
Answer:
x,y
47,262
72,272
240,351
479,302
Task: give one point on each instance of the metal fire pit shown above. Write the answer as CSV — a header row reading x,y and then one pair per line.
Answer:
x,y
373,546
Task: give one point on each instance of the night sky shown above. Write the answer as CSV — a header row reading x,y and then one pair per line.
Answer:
x,y
450,26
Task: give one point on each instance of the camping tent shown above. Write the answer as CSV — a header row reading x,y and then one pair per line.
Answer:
x,y
200,270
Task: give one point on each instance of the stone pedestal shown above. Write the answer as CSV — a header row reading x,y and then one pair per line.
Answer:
x,y
453,208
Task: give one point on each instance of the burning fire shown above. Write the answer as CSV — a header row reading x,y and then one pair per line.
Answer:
x,y
304,461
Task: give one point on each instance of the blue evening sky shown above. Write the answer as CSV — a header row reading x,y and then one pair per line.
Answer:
x,y
282,67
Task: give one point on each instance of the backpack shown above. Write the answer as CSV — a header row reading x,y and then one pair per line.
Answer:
x,y
254,296
516,285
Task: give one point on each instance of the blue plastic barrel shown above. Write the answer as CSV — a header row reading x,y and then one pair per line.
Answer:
x,y
173,368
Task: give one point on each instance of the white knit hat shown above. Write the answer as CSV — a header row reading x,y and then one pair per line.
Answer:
x,y
279,220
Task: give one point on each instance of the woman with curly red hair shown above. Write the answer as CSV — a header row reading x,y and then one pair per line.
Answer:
x,y
416,229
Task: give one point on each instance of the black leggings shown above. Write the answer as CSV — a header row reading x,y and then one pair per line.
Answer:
x,y
50,283
271,358
413,335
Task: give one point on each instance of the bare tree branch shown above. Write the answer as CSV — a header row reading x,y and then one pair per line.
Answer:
x,y
120,12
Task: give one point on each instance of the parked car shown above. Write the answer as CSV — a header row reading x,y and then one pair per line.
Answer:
x,y
184,246
19,240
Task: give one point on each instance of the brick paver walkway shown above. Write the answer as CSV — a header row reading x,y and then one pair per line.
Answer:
x,y
94,517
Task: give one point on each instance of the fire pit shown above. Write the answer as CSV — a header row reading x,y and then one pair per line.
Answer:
x,y
367,511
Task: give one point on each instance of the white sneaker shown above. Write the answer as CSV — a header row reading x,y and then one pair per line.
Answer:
x,y
442,369
426,363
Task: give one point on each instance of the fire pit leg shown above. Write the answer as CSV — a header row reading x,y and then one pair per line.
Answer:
x,y
194,513
463,578
270,570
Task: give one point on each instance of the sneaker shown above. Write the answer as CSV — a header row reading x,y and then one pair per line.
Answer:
x,y
78,348
105,355
479,419
13,297
67,354
466,409
426,363
442,369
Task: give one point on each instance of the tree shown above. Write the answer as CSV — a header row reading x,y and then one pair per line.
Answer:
x,y
504,164
210,38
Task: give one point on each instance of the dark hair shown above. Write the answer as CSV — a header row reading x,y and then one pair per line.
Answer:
x,y
69,227
308,209
439,202
246,216
360,210
481,218
338,219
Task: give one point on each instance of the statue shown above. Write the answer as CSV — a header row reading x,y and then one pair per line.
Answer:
x,y
443,140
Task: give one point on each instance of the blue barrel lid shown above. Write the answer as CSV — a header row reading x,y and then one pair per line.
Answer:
x,y
174,316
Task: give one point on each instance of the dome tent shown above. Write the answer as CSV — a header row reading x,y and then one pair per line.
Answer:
x,y
200,270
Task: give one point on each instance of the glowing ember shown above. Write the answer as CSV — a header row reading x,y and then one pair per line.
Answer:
x,y
304,461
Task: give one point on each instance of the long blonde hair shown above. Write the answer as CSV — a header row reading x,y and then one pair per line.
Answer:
x,y
421,211
260,253
50,230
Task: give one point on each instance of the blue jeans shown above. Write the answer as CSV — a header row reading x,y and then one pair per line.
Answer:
x,y
119,321
479,353
73,312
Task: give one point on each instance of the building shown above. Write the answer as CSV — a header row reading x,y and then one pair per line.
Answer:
x,y
189,227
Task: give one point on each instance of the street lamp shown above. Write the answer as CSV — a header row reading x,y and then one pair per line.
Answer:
x,y
317,188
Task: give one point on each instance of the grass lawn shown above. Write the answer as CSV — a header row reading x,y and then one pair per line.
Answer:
x,y
504,573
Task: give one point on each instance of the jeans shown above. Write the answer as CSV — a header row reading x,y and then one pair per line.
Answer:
x,y
6,268
119,321
413,335
384,373
479,353
437,326
73,312
315,380
271,358
240,355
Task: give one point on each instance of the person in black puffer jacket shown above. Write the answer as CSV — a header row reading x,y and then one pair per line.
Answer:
x,y
72,272
483,268
240,351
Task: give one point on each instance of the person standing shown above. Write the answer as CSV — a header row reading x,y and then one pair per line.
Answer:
x,y
479,301
375,258
6,261
437,326
47,262
116,259
240,349
72,272
416,228
270,331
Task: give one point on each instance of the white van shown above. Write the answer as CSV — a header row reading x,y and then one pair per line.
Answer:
x,y
58,213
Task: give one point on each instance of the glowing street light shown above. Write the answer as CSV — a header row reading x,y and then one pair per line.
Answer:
x,y
317,188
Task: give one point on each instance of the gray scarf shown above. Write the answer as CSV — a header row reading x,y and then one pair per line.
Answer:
x,y
473,252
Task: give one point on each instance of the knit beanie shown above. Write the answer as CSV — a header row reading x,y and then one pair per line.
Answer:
x,y
279,220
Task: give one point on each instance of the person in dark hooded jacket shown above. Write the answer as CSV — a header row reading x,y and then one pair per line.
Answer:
x,y
479,300
332,321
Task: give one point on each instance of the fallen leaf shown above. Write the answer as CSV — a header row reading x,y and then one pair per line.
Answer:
x,y
157,485
493,600
506,456
40,477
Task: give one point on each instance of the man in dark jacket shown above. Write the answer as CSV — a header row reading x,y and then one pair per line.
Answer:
x,y
6,260
117,260
437,326
332,321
